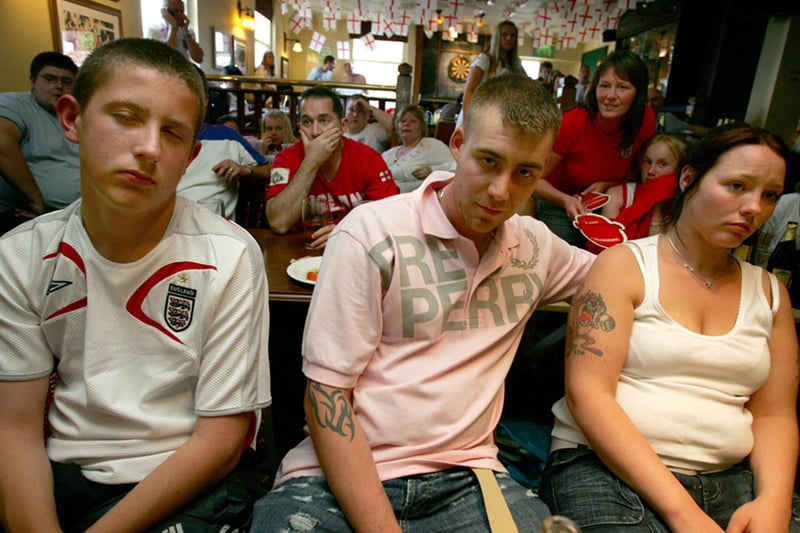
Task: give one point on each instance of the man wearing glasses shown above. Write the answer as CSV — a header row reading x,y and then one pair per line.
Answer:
x,y
38,165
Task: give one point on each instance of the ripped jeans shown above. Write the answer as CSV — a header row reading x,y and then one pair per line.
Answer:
x,y
449,500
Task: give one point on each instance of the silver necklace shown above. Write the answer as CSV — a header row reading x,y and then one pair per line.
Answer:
x,y
708,282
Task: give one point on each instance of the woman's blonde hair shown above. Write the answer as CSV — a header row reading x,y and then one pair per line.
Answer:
x,y
288,131
418,112
676,145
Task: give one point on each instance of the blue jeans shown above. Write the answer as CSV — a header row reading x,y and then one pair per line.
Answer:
x,y
449,500
576,483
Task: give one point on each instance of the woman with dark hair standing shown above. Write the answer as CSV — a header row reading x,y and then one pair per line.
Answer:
x,y
681,365
596,142
501,58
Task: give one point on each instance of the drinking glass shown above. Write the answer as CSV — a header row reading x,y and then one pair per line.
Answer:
x,y
315,214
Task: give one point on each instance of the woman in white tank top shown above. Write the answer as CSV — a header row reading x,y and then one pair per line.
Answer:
x,y
681,365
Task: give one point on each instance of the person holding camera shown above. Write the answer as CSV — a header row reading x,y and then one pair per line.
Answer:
x,y
176,31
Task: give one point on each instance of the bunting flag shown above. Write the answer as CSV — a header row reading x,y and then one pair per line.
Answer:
x,y
433,25
329,22
297,23
472,34
353,24
387,28
401,28
317,40
377,23
361,9
284,7
450,20
403,17
343,49
543,17
545,38
585,15
572,23
455,6
423,10
369,41
595,31
564,23
613,17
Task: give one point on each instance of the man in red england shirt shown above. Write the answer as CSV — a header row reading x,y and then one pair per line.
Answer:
x,y
325,165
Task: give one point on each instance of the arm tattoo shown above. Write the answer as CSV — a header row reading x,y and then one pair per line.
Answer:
x,y
588,313
332,411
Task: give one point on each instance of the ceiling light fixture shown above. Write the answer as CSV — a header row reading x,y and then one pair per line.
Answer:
x,y
439,17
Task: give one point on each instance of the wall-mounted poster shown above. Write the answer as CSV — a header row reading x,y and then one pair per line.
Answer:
x,y
548,51
80,26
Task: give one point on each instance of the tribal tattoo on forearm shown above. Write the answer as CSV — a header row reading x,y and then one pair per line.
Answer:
x,y
589,313
332,410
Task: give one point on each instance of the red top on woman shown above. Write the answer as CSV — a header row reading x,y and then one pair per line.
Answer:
x,y
589,155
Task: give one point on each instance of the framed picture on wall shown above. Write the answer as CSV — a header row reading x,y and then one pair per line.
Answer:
x,y
285,68
240,54
80,26
223,49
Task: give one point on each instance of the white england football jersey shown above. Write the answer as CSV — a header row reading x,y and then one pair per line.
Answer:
x,y
141,348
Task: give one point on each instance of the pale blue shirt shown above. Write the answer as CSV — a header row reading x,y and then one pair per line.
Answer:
x,y
52,159
318,74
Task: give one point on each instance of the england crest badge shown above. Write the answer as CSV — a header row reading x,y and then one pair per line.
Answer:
x,y
179,307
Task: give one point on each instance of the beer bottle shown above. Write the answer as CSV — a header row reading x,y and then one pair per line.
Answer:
x,y
745,250
783,259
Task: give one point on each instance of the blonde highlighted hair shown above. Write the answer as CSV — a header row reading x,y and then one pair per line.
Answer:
x,y
288,131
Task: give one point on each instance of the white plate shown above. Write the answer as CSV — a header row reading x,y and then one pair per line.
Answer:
x,y
298,269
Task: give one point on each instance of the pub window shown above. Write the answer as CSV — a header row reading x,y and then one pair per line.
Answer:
x,y
263,41
378,66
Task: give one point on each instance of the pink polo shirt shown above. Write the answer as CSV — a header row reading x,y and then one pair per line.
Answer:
x,y
424,331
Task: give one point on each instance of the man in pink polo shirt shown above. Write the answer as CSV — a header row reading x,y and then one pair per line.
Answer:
x,y
420,305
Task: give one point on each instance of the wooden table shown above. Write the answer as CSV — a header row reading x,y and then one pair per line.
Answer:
x,y
279,251
288,305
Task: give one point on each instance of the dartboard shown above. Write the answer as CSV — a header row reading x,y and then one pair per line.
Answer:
x,y
458,69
